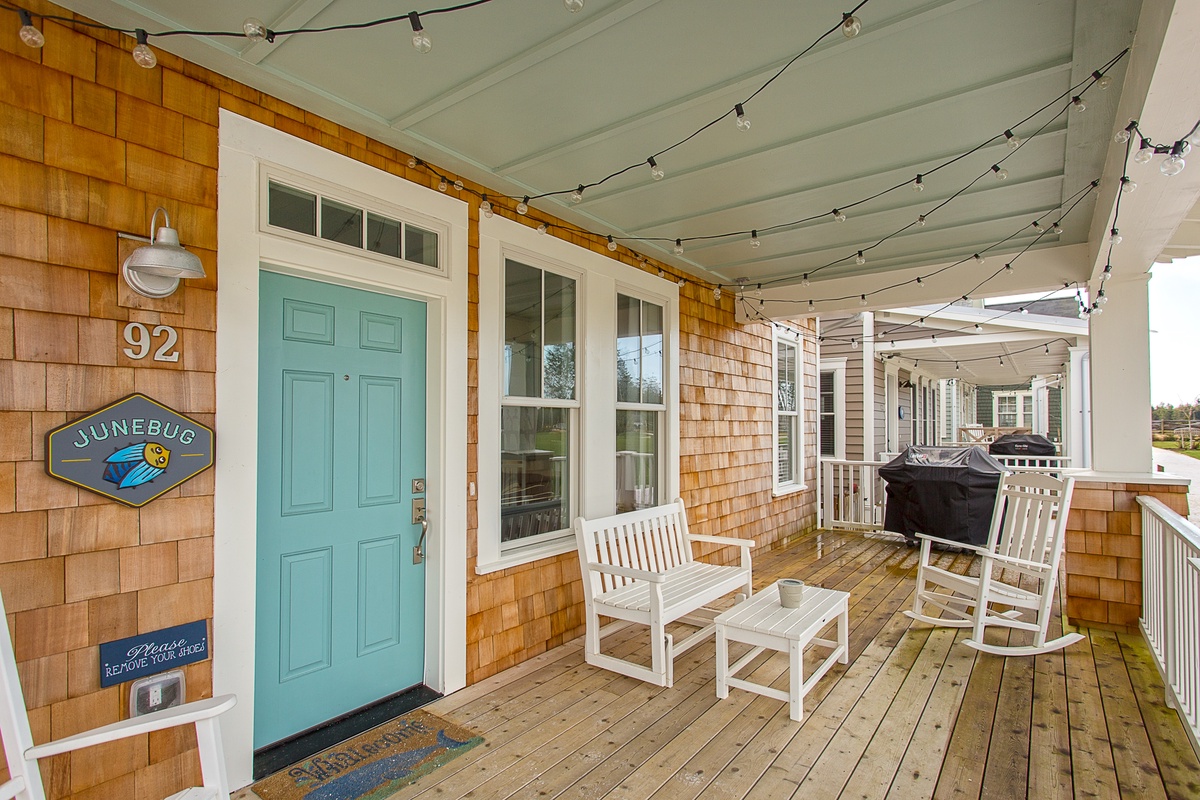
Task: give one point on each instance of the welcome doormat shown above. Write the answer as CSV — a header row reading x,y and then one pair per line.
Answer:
x,y
374,764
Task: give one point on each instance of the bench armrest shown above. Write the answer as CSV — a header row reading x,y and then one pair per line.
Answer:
x,y
627,572
948,543
186,714
728,540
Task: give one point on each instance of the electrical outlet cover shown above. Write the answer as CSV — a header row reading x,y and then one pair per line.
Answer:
x,y
156,692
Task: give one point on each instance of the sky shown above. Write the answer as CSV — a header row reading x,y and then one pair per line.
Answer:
x,y
1175,332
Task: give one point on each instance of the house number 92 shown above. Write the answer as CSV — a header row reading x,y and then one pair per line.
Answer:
x,y
141,339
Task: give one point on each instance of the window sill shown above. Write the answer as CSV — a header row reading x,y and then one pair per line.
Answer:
x,y
780,491
525,555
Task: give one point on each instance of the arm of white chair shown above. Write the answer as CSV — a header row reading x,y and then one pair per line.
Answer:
x,y
948,543
627,572
186,714
728,540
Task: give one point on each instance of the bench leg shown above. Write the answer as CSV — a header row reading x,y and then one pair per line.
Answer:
x,y
722,664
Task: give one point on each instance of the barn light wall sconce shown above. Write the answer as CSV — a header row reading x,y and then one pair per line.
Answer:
x,y
155,269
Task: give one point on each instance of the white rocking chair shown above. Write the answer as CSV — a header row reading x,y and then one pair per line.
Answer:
x,y
1025,545
25,780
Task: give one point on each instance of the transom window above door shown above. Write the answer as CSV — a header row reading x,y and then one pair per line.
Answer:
x,y
342,222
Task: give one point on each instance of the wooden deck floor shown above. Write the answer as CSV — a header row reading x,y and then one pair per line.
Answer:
x,y
914,714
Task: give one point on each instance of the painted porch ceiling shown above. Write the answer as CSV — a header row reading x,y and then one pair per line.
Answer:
x,y
526,98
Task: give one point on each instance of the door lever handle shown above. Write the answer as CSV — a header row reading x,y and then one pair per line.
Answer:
x,y
419,550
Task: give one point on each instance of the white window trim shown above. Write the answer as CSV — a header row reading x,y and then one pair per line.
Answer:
x,y
600,278
793,339
891,402
838,367
1021,422
656,408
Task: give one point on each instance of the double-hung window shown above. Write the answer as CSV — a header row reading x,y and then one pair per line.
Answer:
x,y
539,406
578,410
640,407
788,403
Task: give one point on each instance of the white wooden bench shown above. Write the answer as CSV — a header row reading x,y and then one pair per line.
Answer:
x,y
639,567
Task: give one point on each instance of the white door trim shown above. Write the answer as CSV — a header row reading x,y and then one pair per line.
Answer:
x,y
242,250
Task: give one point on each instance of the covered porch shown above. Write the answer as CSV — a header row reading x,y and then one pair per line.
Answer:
x,y
914,714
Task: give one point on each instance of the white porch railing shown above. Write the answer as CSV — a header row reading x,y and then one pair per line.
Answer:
x,y
851,495
1171,606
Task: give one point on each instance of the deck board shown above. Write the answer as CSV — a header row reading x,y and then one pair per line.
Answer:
x,y
915,714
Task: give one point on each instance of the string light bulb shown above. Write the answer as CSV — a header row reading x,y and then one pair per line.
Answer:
x,y
1056,229
1014,141
862,299
851,26
1102,81
804,280
577,195
956,366
978,328
412,162
486,207
656,171
1037,226
678,247
1127,184
574,6
28,33
1115,237
1173,164
612,246
920,220
523,206
458,186
442,185
541,228
254,29
978,260
920,282
420,39
1023,310
1008,269
838,215
1101,297
142,54
811,306
920,322
1000,173
1079,104
755,242
717,293
853,344
918,185
1145,152
860,259
743,122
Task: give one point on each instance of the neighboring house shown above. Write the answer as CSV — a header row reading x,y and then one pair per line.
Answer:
x,y
937,370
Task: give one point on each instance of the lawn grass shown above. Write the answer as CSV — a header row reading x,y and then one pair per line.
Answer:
x,y
1175,447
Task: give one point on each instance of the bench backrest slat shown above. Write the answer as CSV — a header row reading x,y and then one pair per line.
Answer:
x,y
653,539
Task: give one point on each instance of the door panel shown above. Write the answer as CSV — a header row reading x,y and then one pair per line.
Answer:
x,y
340,605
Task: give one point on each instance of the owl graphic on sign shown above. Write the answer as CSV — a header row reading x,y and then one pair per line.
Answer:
x,y
136,464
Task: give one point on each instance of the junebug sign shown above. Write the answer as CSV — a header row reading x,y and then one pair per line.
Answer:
x,y
131,451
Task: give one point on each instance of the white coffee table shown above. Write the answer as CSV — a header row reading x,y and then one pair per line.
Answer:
x,y
763,623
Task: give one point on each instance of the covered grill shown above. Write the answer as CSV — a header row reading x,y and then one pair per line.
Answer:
x,y
948,492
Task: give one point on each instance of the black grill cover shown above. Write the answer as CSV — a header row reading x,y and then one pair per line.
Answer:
x,y
1022,444
948,492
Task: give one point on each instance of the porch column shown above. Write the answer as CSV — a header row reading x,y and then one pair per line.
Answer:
x,y
1077,410
1120,378
868,386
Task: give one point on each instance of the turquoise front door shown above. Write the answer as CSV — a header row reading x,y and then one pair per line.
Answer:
x,y
341,460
